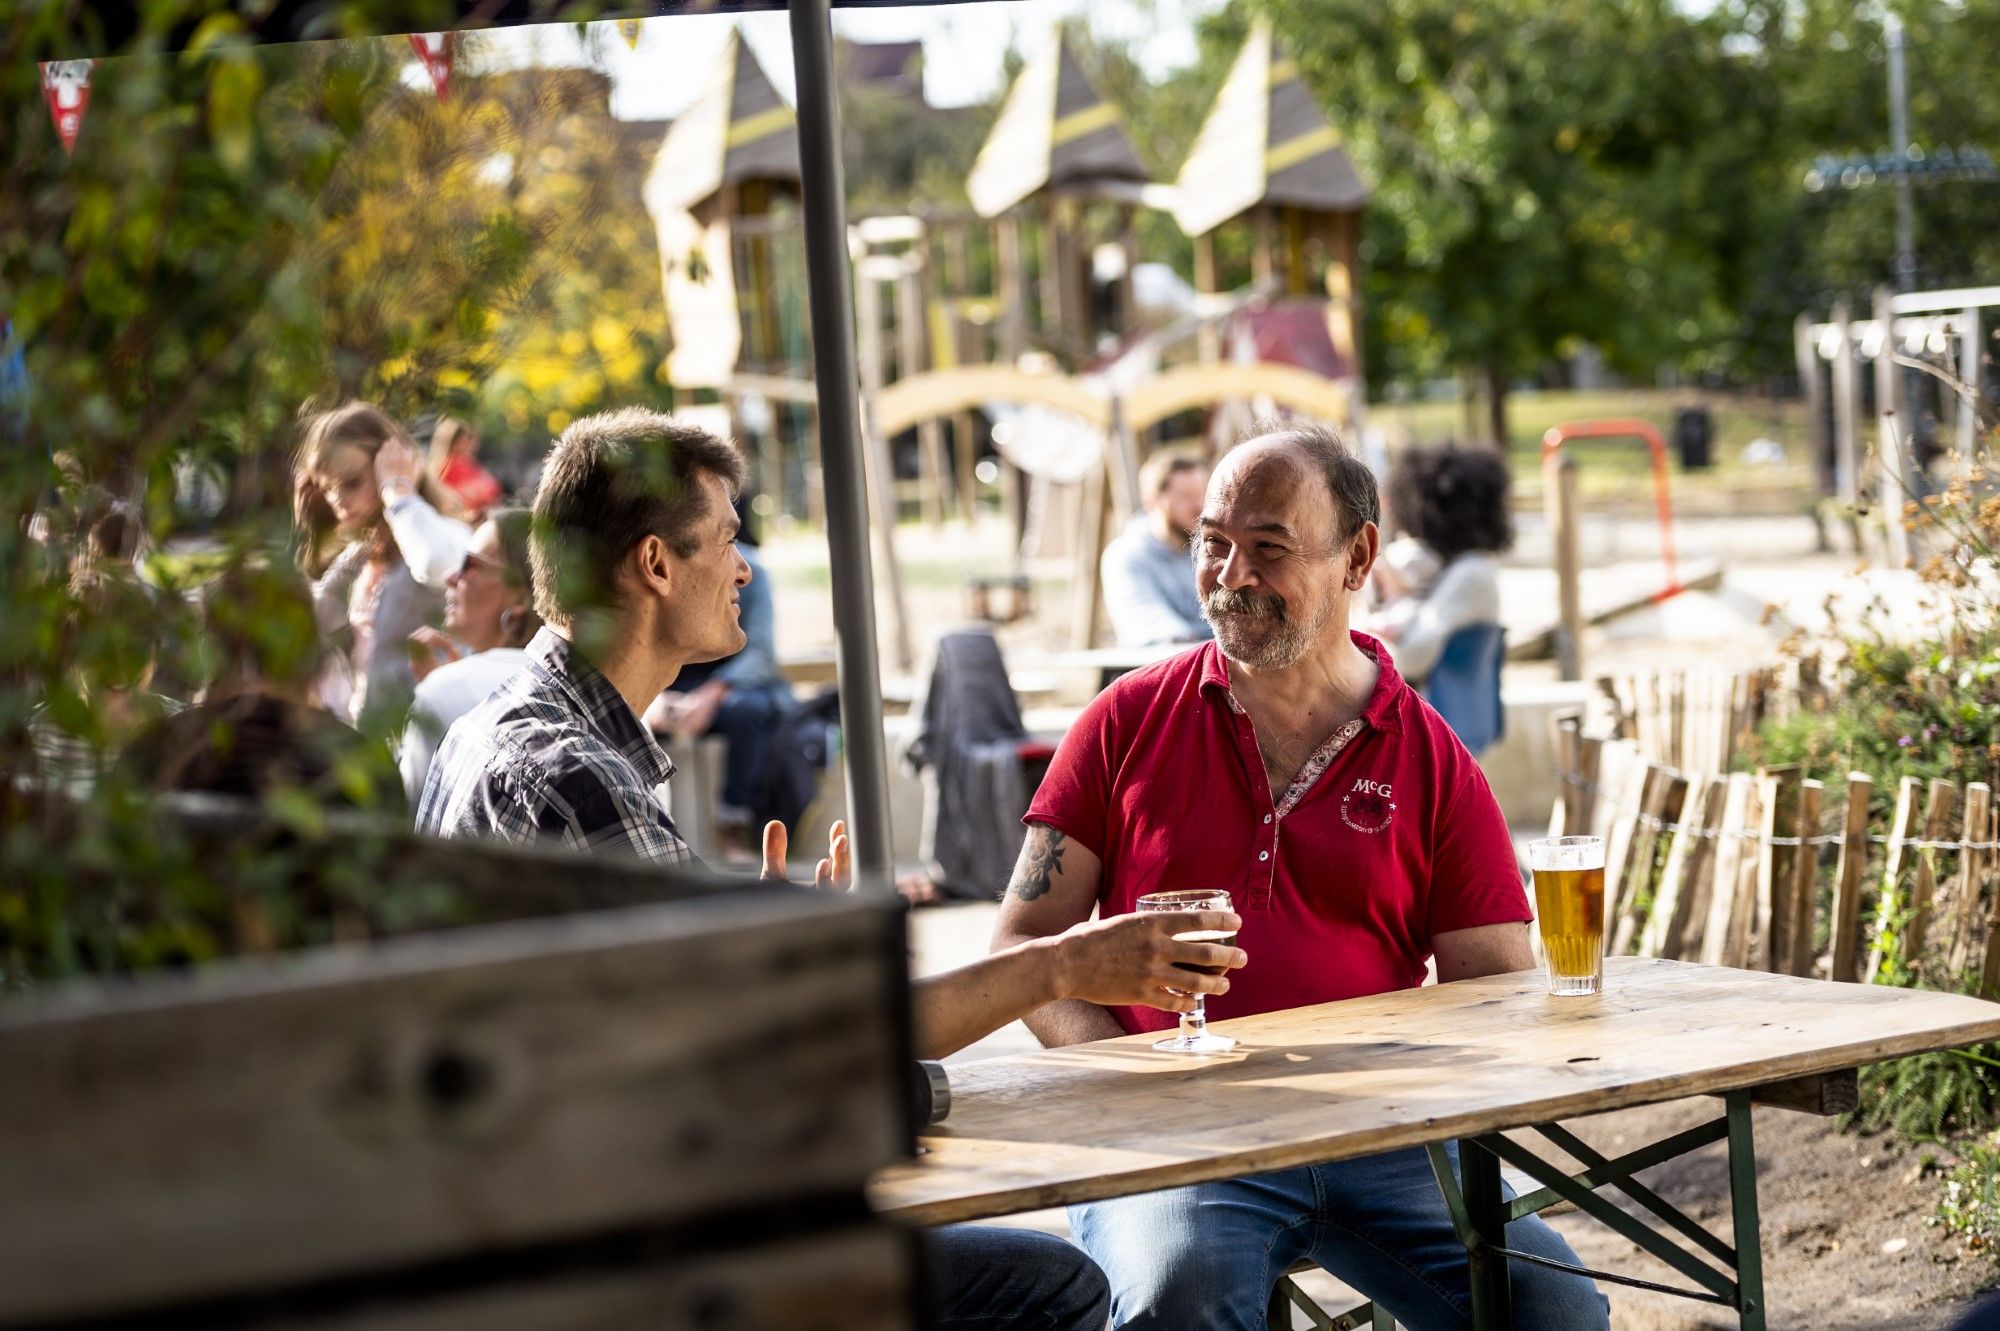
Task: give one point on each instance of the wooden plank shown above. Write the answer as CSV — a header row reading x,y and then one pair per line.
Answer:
x,y
1565,729
1618,769
1622,831
854,1278
1673,688
1539,643
1769,941
1889,902
1646,715
1729,858
1989,966
1685,880
1559,502
1356,1078
1744,909
1972,862
1845,927
1665,789
359,1109
1826,1095
1939,800
1589,766
1805,882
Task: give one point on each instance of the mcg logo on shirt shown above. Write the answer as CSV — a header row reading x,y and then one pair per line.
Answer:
x,y
1369,806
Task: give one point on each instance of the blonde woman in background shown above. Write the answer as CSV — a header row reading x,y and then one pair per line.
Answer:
x,y
397,546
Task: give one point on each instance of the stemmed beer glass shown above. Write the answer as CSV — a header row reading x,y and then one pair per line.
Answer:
x,y
1194,1037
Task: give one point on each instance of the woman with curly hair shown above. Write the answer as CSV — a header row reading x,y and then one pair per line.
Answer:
x,y
362,489
1439,581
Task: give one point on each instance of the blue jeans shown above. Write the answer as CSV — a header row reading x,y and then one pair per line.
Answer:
x,y
1208,1256
747,718
981,1277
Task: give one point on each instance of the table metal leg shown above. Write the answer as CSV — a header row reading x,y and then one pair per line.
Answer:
x,y
1486,1215
1743,1202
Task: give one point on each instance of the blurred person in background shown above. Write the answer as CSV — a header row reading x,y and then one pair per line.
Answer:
x,y
359,479
1147,577
454,461
254,730
1438,582
741,698
114,624
489,616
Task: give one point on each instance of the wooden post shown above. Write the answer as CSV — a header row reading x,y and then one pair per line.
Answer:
x,y
1805,881
1769,943
1093,514
1208,340
1969,361
1011,288
1619,766
1665,789
1972,862
1812,383
911,359
1261,245
1846,411
1729,853
1938,803
1559,497
1891,430
1989,967
1589,762
1853,862
1889,903
880,472
1685,881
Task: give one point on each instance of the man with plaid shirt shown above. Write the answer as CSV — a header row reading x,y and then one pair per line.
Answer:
x,y
636,575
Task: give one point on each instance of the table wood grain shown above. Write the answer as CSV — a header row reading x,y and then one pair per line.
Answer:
x,y
1339,1080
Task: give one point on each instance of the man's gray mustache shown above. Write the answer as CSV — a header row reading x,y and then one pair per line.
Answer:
x,y
1225,601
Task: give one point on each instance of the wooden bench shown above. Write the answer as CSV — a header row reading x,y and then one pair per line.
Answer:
x,y
629,1097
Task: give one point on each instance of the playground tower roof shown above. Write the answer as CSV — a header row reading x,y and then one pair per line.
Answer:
x,y
1055,132
739,129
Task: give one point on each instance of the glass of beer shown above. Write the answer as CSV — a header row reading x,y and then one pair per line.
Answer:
x,y
1194,1037
1569,908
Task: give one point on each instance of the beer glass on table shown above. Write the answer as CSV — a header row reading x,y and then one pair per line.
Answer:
x,y
1195,1037
1569,910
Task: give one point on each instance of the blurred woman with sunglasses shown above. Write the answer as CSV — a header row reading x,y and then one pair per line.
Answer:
x,y
488,618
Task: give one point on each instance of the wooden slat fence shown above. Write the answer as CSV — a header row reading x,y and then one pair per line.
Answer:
x,y
1780,869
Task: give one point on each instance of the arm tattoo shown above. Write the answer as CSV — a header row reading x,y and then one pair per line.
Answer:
x,y
1040,860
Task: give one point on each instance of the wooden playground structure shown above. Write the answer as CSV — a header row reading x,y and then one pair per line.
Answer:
x,y
1012,332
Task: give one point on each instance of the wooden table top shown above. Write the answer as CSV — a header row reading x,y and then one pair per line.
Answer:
x,y
1354,1078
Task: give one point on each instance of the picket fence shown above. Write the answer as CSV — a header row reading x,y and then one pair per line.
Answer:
x,y
1769,869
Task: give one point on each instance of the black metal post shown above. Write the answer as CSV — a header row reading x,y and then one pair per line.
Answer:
x,y
832,305
1486,1210
1743,1204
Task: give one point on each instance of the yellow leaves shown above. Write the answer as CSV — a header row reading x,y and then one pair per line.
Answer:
x,y
235,84
559,420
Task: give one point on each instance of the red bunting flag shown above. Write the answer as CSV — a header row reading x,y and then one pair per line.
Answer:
x,y
66,85
434,49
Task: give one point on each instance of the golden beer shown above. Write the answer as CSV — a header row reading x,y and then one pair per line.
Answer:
x,y
1569,910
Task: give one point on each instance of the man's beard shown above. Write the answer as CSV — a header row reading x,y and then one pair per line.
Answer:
x,y
1238,616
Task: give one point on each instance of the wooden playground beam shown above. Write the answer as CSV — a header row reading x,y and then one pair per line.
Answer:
x,y
1191,386
907,402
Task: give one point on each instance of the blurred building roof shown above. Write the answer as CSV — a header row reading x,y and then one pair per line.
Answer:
x,y
739,129
887,66
1055,132
1265,142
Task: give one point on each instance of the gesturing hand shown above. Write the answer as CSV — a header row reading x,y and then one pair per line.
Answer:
x,y
834,873
1134,960
395,468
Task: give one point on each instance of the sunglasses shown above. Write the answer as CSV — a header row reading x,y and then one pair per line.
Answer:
x,y
474,560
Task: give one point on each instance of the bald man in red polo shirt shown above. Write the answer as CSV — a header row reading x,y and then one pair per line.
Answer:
x,y
1288,763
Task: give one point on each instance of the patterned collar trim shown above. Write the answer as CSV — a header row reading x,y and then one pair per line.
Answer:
x,y
601,706
1315,766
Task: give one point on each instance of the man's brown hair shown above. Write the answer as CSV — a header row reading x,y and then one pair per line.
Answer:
x,y
1159,470
612,480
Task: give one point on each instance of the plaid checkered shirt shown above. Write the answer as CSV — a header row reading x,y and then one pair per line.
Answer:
x,y
554,755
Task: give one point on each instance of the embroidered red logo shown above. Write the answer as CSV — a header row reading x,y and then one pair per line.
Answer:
x,y
1369,807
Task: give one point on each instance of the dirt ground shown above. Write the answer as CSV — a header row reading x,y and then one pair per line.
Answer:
x,y
1846,1239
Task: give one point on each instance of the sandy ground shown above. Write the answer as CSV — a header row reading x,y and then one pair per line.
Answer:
x,y
1846,1243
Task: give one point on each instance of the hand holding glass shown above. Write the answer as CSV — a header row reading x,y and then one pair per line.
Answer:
x,y
1569,910
1194,1037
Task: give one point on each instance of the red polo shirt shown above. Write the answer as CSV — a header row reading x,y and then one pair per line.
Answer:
x,y
1341,882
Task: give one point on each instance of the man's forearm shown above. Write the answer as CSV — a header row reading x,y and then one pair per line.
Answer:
x,y
1072,1021
956,1008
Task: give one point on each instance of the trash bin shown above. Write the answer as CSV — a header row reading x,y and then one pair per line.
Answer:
x,y
1694,437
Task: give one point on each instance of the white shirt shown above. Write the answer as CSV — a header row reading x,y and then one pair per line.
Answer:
x,y
446,694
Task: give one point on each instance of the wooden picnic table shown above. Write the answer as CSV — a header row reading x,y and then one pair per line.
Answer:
x,y
1465,1061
